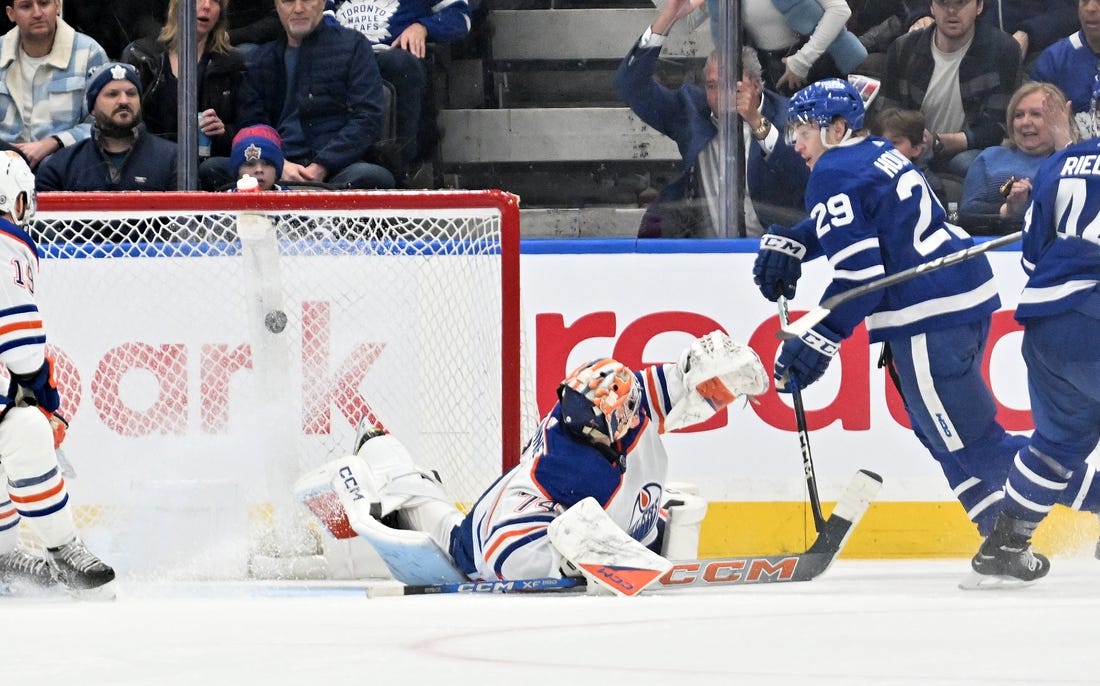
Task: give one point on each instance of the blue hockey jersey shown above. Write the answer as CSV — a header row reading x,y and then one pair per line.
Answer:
x,y
1061,252
872,214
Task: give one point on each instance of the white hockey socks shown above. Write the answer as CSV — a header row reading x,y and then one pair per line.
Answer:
x,y
35,485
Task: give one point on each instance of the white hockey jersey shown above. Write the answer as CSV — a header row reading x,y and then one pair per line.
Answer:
x,y
22,332
504,535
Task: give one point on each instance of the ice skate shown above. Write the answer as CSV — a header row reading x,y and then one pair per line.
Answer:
x,y
1006,559
21,571
84,574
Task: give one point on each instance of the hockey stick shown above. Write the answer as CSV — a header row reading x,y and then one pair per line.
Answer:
x,y
818,314
708,573
803,436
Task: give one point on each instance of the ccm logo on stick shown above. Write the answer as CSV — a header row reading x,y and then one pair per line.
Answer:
x,y
753,570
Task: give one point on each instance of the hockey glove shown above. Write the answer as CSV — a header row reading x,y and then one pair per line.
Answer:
x,y
715,369
59,425
37,388
803,360
778,264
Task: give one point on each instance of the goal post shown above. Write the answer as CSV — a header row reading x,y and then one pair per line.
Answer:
x,y
210,348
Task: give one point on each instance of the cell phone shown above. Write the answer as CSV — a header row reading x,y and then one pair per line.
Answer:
x,y
1006,187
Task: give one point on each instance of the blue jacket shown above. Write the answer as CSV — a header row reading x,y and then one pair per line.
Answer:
x,y
684,116
150,166
339,93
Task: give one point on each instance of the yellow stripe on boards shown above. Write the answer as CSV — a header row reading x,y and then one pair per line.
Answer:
x,y
888,530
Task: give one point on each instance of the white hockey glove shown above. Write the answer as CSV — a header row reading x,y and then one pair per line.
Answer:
x,y
715,370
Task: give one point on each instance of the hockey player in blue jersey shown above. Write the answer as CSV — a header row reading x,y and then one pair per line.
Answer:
x,y
872,214
1060,311
602,439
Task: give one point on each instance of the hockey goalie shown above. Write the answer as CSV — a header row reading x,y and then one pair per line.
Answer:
x,y
601,440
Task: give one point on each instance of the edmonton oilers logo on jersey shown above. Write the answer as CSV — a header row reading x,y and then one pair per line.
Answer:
x,y
646,509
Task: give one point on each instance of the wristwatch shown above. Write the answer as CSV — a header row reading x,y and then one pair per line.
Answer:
x,y
937,145
761,132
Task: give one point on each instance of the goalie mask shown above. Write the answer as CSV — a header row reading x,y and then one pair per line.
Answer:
x,y
600,400
16,180
821,102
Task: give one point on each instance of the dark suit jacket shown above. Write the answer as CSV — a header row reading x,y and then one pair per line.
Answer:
x,y
684,116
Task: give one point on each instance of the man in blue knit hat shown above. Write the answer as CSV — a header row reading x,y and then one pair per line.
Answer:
x,y
120,155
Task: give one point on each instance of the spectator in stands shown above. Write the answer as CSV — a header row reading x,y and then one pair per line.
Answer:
x,y
776,177
399,32
258,152
252,22
960,75
906,130
797,41
1073,64
43,65
1035,24
219,74
319,86
998,185
876,23
114,24
120,155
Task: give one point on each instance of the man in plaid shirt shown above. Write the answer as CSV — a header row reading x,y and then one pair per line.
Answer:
x,y
44,64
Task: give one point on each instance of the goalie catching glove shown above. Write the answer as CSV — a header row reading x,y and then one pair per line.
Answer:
x,y
715,369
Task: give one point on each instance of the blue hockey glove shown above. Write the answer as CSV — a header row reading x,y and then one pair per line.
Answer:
x,y
778,264
803,360
37,388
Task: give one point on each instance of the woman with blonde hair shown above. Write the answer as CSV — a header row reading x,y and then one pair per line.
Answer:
x,y
220,70
998,185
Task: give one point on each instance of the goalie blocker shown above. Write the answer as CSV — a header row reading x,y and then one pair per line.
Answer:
x,y
601,440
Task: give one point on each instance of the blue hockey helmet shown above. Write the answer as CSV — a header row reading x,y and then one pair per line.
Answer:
x,y
821,102
600,400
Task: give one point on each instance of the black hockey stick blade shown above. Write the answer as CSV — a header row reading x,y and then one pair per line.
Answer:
x,y
749,569
815,316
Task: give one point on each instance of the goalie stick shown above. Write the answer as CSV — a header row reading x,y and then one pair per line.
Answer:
x,y
706,573
803,436
815,316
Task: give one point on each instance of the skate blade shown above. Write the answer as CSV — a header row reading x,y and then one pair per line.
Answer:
x,y
992,582
99,593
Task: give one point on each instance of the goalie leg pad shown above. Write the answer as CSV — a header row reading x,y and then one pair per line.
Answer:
x,y
413,557
35,485
686,510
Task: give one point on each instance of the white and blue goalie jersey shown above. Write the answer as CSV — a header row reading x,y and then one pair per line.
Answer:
x,y
872,214
504,535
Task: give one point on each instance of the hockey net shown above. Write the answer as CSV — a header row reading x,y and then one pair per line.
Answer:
x,y
210,348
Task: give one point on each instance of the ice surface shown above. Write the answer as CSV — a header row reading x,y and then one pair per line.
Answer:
x,y
863,622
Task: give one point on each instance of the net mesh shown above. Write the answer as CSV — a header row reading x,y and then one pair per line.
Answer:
x,y
209,357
